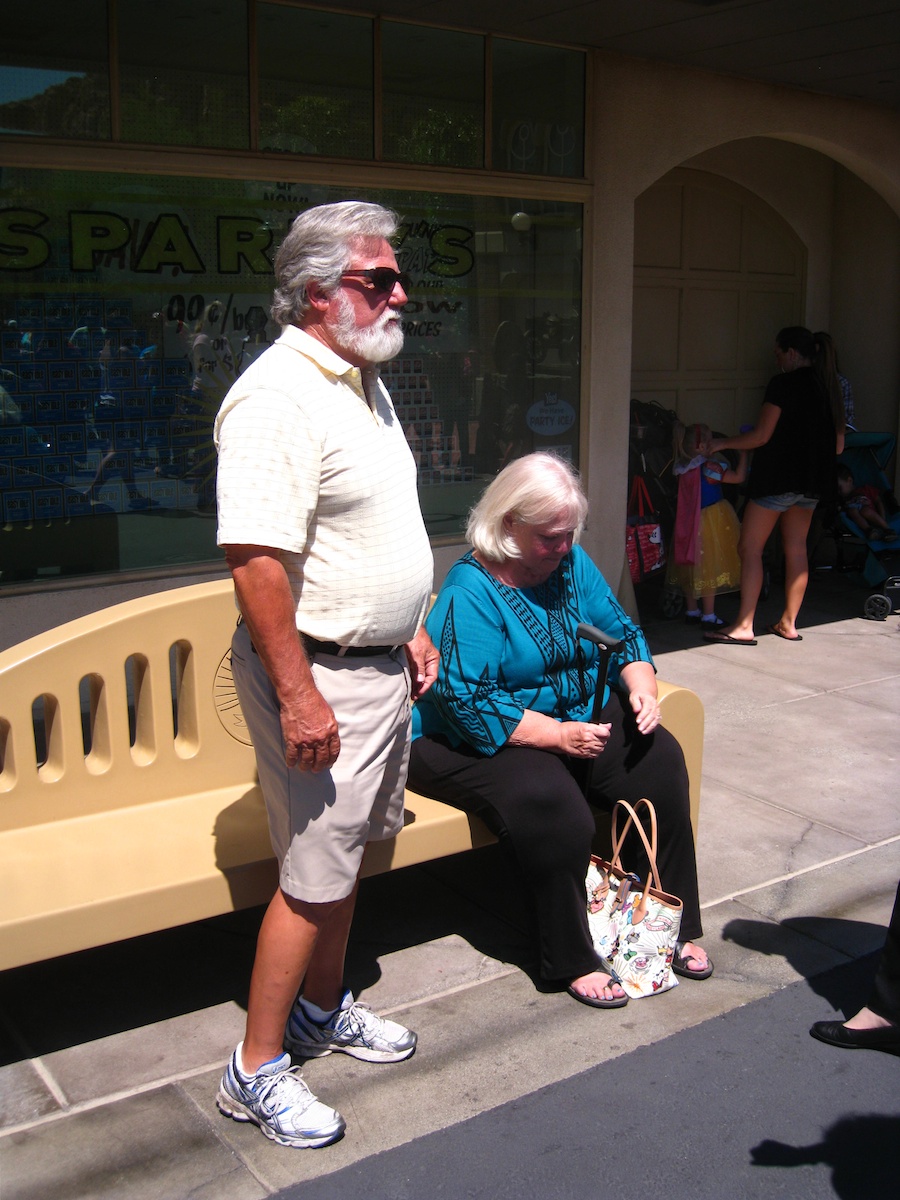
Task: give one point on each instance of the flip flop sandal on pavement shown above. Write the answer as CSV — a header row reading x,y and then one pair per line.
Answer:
x,y
774,629
725,639
596,1002
680,967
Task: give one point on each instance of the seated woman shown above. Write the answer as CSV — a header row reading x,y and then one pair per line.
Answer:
x,y
504,732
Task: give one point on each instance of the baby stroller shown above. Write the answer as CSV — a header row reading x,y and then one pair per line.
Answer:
x,y
650,459
880,606
867,455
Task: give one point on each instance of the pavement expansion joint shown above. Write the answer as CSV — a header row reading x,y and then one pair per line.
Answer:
x,y
84,1106
819,866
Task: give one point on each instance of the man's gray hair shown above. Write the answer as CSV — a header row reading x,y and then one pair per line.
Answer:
x,y
534,489
318,249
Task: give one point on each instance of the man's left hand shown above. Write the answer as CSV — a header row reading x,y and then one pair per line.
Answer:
x,y
423,663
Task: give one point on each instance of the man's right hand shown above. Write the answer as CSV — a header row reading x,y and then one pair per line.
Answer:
x,y
309,730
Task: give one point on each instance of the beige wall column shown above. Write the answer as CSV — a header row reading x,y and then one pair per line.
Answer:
x,y
605,444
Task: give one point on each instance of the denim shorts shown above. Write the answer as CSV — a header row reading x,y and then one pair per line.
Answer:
x,y
785,501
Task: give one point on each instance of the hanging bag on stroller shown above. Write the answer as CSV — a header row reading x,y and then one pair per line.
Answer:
x,y
644,542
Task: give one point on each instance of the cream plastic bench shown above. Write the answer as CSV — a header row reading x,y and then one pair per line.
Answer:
x,y
148,814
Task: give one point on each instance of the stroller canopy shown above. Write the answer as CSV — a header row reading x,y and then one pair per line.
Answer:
x,y
867,455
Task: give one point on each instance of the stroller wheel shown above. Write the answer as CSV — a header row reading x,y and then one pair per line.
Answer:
x,y
877,607
671,602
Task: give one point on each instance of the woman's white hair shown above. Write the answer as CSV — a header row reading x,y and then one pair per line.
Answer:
x,y
318,249
535,490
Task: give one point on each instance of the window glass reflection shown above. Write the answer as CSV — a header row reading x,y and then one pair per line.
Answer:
x,y
315,82
54,70
538,106
184,72
130,304
433,96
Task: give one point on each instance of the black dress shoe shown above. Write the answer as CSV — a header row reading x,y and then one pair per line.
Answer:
x,y
835,1033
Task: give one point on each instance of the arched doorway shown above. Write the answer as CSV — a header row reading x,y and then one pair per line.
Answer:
x,y
716,273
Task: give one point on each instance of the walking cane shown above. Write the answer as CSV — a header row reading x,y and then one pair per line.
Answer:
x,y
607,644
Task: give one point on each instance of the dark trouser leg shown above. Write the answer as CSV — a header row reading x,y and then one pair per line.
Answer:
x,y
885,997
634,767
530,800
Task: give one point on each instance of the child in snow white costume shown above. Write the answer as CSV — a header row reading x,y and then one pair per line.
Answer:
x,y
704,560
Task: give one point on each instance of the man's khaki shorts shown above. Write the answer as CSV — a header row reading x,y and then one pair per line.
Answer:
x,y
320,823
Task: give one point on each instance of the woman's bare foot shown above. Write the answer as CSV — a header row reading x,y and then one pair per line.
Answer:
x,y
785,629
730,635
598,990
597,986
691,961
866,1019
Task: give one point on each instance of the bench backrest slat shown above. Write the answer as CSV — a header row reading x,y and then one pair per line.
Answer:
x,y
123,666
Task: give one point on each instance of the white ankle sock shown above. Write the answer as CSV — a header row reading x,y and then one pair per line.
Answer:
x,y
319,1015
242,1071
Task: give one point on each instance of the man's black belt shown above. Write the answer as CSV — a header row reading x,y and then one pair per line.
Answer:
x,y
314,646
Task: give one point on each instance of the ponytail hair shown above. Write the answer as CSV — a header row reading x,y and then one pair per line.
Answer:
x,y
825,362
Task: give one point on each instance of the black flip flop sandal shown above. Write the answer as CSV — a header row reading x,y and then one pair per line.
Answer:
x,y
679,967
595,1002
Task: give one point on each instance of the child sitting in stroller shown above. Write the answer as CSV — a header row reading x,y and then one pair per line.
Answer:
x,y
864,507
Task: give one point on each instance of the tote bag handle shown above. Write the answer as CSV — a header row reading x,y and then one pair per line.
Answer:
x,y
639,502
649,846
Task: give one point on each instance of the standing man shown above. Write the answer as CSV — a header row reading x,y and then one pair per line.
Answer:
x,y
322,530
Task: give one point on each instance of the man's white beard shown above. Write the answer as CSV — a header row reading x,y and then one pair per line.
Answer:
x,y
376,343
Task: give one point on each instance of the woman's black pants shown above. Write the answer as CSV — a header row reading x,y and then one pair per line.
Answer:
x,y
534,801
885,996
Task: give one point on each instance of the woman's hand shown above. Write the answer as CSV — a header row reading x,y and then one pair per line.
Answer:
x,y
640,680
579,739
754,437
645,707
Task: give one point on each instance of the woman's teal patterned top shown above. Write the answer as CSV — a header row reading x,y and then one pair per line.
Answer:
x,y
504,650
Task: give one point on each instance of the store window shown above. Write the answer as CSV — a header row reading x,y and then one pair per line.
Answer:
x,y
184,72
54,73
322,108
171,74
433,96
538,108
129,305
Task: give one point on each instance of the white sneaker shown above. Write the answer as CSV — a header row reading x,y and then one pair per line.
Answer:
x,y
354,1029
279,1102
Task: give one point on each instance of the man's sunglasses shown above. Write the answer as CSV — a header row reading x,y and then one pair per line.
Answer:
x,y
382,279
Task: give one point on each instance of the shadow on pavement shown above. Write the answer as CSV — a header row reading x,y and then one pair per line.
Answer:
x,y
843,991
859,1150
67,1001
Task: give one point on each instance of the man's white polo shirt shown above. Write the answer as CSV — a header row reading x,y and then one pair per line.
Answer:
x,y
307,467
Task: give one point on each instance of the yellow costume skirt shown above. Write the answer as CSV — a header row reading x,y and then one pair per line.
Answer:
x,y
718,568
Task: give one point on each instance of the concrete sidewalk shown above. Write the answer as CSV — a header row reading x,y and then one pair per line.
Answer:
x,y
112,1056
